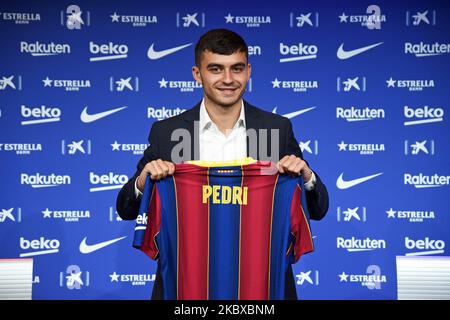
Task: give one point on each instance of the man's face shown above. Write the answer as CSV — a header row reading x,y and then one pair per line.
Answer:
x,y
223,77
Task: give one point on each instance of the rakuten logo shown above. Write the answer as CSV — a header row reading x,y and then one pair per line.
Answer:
x,y
39,247
41,115
423,115
37,49
426,49
163,113
299,52
108,51
110,181
357,245
426,246
44,181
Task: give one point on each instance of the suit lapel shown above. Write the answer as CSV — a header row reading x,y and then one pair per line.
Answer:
x,y
253,124
192,117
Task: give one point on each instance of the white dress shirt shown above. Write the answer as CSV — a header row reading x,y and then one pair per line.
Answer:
x,y
216,146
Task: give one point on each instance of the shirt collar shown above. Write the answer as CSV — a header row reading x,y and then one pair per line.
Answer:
x,y
206,122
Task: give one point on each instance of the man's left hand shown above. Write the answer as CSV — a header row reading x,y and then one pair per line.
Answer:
x,y
293,165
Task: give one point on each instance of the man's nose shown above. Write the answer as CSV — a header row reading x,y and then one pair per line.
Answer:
x,y
227,76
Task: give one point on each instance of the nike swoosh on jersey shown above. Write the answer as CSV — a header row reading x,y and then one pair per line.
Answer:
x,y
154,55
295,113
86,248
343,54
342,184
85,117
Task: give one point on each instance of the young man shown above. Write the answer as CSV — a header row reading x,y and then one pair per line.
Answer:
x,y
222,127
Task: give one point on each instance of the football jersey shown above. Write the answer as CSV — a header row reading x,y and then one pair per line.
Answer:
x,y
224,232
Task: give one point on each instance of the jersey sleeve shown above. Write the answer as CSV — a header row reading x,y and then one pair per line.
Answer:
x,y
148,221
300,228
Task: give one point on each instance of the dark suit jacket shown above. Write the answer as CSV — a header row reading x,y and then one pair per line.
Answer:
x,y
161,148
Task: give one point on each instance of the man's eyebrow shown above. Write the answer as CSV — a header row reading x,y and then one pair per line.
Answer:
x,y
215,65
239,64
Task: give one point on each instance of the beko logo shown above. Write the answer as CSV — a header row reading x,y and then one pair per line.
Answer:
x,y
298,52
423,115
141,222
39,247
426,246
41,115
110,181
108,51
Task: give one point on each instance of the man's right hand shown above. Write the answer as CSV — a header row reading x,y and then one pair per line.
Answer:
x,y
156,169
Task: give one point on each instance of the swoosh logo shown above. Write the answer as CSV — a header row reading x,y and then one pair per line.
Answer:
x,y
342,184
295,113
342,54
86,248
155,55
86,118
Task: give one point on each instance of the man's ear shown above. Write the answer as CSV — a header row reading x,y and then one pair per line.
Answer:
x,y
249,72
196,74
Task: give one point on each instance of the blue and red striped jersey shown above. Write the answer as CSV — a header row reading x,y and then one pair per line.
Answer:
x,y
224,232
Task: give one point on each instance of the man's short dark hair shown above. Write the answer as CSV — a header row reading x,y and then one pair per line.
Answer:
x,y
220,41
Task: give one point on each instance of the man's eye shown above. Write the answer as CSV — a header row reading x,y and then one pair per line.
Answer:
x,y
238,69
214,69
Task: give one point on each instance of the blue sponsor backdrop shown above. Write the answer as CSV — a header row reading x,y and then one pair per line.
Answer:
x,y
81,84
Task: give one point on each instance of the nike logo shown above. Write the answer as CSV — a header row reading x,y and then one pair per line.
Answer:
x,y
342,54
342,184
155,55
295,113
86,118
86,248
